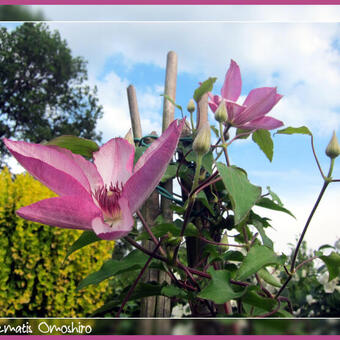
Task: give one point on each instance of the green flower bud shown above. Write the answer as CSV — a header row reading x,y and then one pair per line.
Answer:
x,y
224,240
201,144
221,114
191,106
333,148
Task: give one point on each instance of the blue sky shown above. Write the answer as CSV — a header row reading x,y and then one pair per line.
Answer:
x,y
295,48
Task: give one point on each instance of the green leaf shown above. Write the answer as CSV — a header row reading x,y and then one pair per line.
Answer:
x,y
255,300
169,173
202,197
267,277
134,260
208,161
275,197
160,230
80,146
215,130
142,290
291,130
172,102
233,255
265,239
173,291
267,203
138,153
264,140
258,257
86,238
241,131
219,288
243,194
205,87
332,262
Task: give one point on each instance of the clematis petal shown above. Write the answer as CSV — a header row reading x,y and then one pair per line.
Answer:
x,y
88,168
119,229
114,161
66,212
232,85
214,101
233,110
262,99
267,123
53,168
151,166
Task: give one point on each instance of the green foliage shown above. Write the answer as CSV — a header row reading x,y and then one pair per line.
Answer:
x,y
19,13
332,262
205,87
264,140
242,193
291,130
219,288
34,279
80,146
258,257
43,93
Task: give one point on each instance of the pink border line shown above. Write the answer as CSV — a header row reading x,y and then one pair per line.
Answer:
x,y
169,2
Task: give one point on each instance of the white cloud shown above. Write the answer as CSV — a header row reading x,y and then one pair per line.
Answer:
x,y
300,59
324,228
116,119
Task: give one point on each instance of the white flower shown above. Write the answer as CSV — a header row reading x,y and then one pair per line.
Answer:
x,y
180,310
328,287
309,299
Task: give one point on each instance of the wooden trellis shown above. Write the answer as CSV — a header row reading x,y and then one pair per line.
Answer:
x,y
160,306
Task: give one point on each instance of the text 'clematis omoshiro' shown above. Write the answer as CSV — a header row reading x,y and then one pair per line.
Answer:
x,y
251,114
101,196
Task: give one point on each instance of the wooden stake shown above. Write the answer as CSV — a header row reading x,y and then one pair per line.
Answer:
x,y
150,208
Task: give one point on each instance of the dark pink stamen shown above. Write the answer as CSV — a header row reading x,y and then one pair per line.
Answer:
x,y
107,199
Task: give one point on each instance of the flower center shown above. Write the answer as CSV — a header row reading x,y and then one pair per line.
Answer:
x,y
107,199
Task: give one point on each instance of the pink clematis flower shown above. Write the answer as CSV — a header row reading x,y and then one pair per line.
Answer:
x,y
101,196
251,114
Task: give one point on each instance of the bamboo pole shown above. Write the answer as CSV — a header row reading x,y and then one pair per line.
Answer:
x,y
150,208
163,306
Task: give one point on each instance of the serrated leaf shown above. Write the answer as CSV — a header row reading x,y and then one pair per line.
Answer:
x,y
267,203
219,288
264,140
86,238
242,193
134,260
172,102
292,130
169,173
80,146
257,258
267,277
205,87
332,262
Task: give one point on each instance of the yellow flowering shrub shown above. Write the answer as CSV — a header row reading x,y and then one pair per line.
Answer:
x,y
34,280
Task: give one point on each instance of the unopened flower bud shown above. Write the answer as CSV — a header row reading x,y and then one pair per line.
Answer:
x,y
333,148
191,106
225,241
201,144
129,137
221,114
